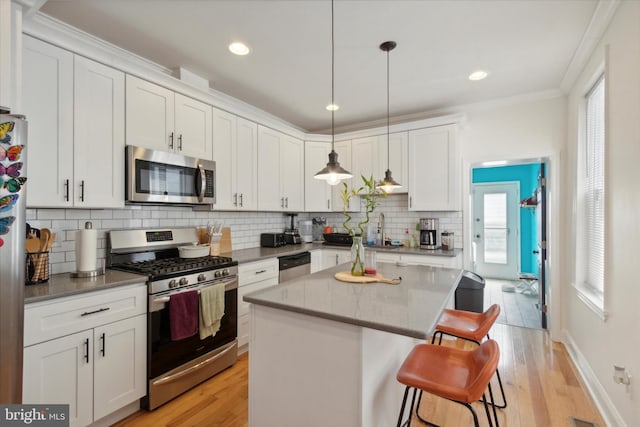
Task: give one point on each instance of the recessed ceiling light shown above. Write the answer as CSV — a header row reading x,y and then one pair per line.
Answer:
x,y
239,48
333,107
478,75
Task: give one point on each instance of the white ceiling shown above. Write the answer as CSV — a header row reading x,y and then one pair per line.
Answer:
x,y
527,46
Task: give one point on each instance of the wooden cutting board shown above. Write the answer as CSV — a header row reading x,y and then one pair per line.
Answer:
x,y
345,276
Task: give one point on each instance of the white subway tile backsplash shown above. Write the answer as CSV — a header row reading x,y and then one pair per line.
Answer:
x,y
245,226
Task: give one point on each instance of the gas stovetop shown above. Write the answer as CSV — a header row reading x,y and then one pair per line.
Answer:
x,y
154,253
158,268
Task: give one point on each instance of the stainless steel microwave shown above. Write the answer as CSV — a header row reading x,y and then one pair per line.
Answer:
x,y
154,176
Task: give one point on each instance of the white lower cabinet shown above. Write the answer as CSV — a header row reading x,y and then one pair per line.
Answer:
x,y
333,257
316,260
97,369
430,260
253,276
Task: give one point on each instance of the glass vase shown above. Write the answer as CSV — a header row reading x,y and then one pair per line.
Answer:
x,y
357,257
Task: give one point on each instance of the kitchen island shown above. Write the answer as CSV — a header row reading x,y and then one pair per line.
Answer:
x,y
326,353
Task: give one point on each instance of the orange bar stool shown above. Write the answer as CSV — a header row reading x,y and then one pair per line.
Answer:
x,y
458,375
469,326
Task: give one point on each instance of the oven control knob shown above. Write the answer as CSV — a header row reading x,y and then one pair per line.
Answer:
x,y
225,272
184,281
217,274
202,277
173,283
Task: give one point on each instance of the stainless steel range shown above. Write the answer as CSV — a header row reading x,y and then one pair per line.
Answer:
x,y
176,366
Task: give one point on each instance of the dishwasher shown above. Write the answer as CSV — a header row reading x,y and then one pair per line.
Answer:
x,y
292,266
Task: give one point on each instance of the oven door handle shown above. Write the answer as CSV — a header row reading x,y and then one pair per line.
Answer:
x,y
164,299
178,375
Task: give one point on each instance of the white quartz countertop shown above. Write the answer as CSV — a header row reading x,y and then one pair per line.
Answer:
x,y
406,309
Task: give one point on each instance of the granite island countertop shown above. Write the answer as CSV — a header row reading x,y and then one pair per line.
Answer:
x,y
400,309
62,285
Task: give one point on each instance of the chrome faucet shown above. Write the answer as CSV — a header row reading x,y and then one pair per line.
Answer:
x,y
381,228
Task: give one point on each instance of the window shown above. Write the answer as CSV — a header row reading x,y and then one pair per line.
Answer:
x,y
592,187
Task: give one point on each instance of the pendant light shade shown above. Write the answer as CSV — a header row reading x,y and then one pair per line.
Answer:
x,y
333,173
388,184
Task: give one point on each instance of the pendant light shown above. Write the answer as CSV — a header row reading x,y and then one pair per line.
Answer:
x,y
388,184
333,172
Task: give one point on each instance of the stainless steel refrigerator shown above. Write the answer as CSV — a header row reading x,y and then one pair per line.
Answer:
x,y
13,144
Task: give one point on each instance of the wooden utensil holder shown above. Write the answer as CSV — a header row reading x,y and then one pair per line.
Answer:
x,y
37,268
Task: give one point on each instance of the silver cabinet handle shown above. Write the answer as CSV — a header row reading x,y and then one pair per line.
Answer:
x,y
241,200
66,190
180,142
410,201
328,204
171,140
235,199
82,190
261,271
282,202
336,259
286,202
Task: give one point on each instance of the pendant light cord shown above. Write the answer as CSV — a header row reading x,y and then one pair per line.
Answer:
x,y
388,150
333,129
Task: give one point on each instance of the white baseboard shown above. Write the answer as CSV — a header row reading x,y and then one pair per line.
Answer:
x,y
599,395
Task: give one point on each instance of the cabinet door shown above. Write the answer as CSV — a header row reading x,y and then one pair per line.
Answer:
x,y
246,164
317,193
61,371
150,115
224,137
98,135
365,159
193,127
433,172
120,360
47,92
269,196
292,173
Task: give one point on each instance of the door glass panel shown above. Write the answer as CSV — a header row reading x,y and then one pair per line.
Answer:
x,y
495,228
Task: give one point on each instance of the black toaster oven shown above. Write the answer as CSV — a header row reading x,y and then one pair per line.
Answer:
x,y
272,240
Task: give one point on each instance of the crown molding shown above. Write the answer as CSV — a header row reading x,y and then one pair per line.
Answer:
x,y
600,20
29,7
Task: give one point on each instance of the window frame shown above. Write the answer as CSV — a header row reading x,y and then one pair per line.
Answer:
x,y
591,296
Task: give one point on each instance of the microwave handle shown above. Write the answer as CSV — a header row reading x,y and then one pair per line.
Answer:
x,y
203,183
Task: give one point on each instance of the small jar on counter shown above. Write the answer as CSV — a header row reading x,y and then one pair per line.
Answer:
x,y
446,237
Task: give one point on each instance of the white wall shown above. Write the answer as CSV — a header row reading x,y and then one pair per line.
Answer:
x,y
530,130
596,343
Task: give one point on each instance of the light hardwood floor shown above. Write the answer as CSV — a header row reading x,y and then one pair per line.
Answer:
x,y
518,309
541,383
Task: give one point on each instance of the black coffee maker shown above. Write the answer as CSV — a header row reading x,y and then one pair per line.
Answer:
x,y
429,233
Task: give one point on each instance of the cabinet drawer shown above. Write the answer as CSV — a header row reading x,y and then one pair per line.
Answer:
x,y
243,307
55,318
257,271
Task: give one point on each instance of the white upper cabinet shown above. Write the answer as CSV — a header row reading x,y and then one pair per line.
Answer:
x,y
365,159
235,151
434,183
75,109
317,191
280,171
98,135
161,119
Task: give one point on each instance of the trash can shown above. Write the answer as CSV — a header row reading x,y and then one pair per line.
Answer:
x,y
470,293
